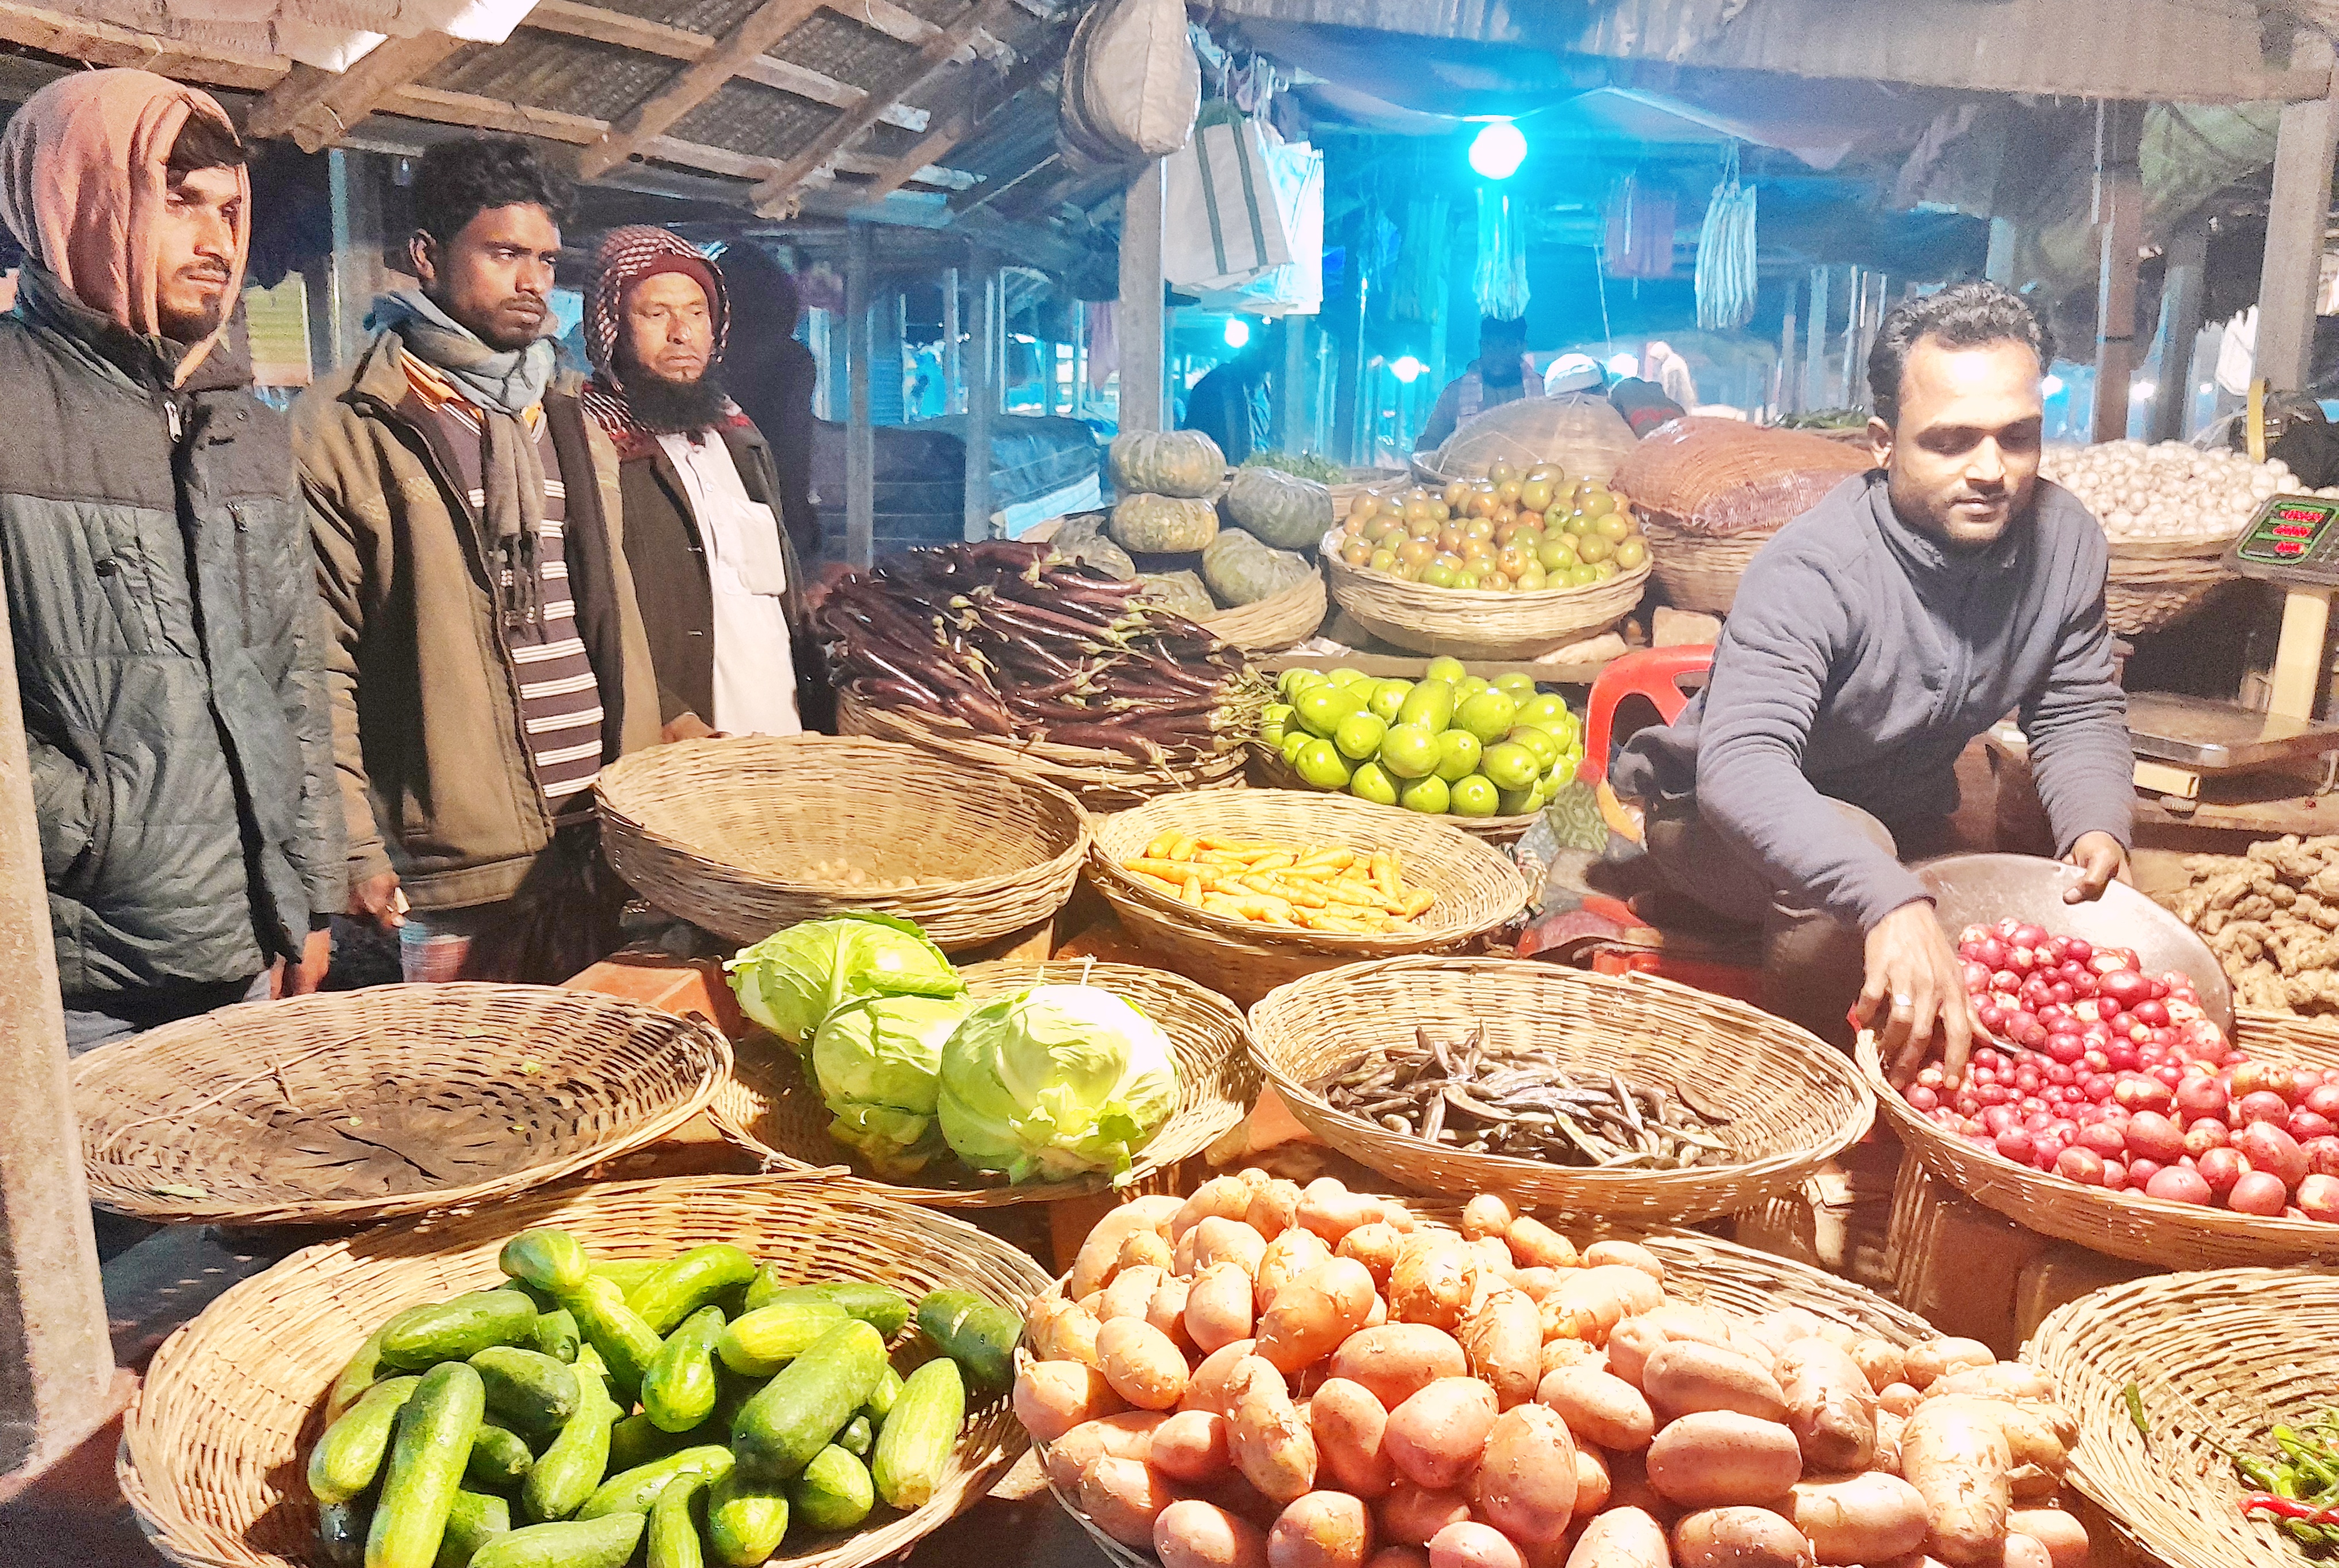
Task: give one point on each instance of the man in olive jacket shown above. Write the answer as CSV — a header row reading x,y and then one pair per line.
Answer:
x,y
168,648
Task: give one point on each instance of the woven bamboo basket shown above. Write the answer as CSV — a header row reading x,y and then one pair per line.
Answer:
x,y
1478,887
1700,571
213,1449
2216,1360
742,837
1276,622
1472,623
1101,781
767,1108
347,1107
1269,771
2154,585
2127,1225
1793,1103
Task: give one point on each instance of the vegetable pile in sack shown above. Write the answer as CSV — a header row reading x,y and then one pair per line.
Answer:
x,y
1022,646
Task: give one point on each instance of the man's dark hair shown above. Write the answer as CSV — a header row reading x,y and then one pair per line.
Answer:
x,y
205,143
1961,316
1503,329
459,180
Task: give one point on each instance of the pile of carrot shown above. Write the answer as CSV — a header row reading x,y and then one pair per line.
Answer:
x,y
1329,888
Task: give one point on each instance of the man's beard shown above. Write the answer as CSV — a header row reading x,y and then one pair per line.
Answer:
x,y
675,408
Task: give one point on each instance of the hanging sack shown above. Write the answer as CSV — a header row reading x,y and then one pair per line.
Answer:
x,y
1131,84
1221,223
1296,170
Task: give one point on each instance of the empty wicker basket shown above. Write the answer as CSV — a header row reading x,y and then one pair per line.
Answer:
x,y
747,836
767,1108
2156,582
347,1108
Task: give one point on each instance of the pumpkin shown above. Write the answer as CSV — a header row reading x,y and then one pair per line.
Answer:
x,y
1284,510
1179,593
1166,463
1242,571
1151,525
1083,540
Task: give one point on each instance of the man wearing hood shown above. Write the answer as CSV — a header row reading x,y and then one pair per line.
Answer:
x,y
169,653
488,658
717,577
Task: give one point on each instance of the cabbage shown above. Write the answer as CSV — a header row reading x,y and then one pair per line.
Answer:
x,y
1054,1082
876,1064
792,979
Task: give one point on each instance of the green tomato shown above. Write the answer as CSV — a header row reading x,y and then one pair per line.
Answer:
x,y
1321,765
1439,575
1511,765
1477,796
1372,782
1489,715
1410,751
1555,553
1446,669
1359,736
1428,796
1388,699
1581,575
1457,755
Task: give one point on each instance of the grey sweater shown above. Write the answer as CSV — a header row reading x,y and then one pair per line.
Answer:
x,y
1858,660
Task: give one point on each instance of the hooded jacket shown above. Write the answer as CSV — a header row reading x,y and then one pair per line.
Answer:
x,y
163,603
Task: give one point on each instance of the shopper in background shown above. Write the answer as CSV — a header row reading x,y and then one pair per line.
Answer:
x,y
1663,366
772,377
1229,404
1574,373
489,658
1498,375
718,582
169,654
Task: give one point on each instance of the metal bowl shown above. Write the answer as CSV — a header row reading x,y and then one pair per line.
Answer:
x,y
1982,889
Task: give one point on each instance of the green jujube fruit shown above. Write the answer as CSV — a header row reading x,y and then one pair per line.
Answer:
x,y
421,1338
551,1260
634,1491
679,1389
567,1472
575,1543
616,1334
769,1337
427,1456
746,1522
881,1307
683,1285
501,1460
915,1449
673,1525
807,1403
527,1390
833,1493
347,1456
475,1519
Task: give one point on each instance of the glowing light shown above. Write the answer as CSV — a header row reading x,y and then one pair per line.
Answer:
x,y
1496,151
1406,367
2050,386
1624,365
2144,389
1238,332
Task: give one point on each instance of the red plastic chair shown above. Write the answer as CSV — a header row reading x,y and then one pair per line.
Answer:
x,y
1654,673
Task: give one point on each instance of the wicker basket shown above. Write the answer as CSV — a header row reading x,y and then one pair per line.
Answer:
x,y
1478,887
2127,1225
2217,1359
768,1109
2153,586
1277,622
1472,623
1700,571
1101,781
213,1451
1795,1104
726,834
346,1107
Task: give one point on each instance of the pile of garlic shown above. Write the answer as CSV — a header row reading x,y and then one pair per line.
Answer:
x,y
2169,490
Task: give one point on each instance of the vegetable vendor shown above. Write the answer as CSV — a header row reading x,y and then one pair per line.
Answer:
x,y
1878,634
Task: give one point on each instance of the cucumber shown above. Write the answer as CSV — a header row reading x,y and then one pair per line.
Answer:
x,y
426,1466
833,1493
348,1457
341,1532
679,1389
980,1337
616,1334
567,1472
626,1273
637,1489
769,1337
673,1524
808,1402
858,1436
554,1334
472,1523
687,1283
550,1260
636,1440
577,1543
882,1397
920,1435
744,1522
422,1337
882,1309
501,1460
359,1375
527,1389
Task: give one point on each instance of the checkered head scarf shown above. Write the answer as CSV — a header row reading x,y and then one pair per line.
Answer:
x,y
624,258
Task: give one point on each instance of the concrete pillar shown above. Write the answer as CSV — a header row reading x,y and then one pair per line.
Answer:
x,y
2296,215
1348,431
860,440
2183,291
953,364
983,393
1144,399
354,181
2119,223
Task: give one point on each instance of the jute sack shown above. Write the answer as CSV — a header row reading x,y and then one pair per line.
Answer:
x,y
1131,84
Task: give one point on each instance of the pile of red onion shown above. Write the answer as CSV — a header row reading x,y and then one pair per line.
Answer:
x,y
2117,1079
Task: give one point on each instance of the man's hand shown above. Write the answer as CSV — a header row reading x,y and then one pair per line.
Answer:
x,y
1914,983
377,899
2101,858
688,726
303,977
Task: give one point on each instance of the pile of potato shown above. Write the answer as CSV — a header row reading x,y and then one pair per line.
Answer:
x,y
1266,1376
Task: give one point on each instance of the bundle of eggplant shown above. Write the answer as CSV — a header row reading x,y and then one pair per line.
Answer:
x,y
1018,645
1525,1104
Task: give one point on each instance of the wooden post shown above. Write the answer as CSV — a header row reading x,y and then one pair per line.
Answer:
x,y
859,439
953,366
2119,223
1291,386
1855,317
2296,215
1815,339
1789,389
2183,292
1998,267
982,394
352,181
1349,378
1143,384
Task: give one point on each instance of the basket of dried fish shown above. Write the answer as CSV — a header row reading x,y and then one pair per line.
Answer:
x,y
1626,1097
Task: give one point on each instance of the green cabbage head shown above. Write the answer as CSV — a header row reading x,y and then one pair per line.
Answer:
x,y
792,979
1055,1082
877,1064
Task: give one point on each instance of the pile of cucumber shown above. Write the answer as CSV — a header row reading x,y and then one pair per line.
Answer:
x,y
700,1403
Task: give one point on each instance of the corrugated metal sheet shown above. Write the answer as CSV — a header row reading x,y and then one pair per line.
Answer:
x,y
753,119
712,17
575,75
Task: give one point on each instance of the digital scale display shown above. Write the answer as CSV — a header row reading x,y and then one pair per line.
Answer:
x,y
2294,540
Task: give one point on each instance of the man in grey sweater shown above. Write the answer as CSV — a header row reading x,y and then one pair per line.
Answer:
x,y
1874,637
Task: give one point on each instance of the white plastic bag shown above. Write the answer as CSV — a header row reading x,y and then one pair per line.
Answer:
x,y
1296,169
1222,224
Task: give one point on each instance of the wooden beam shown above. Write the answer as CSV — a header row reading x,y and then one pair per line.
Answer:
x,y
766,26
981,98
888,18
316,108
104,43
2297,213
775,192
1139,324
860,440
2184,295
2119,219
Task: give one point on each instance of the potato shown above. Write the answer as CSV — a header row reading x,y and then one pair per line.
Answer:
x,y
1130,1294
1599,1407
1899,1398
1739,1537
1958,1461
1504,1339
1622,1538
1330,1210
2062,1535
1631,1342
1376,1245
1717,1458
1220,1240
1321,1530
1777,1330
1206,1385
1888,1442
1592,1301
1143,1246
1864,1518
1123,1497
1218,1306
1829,1406
1399,1557
1272,1445
2032,1431
1937,1358
1534,1284
1143,1365
1313,1315
1127,1435
1411,1515
1999,1380
1628,1253
1395,1213
1494,1262
1534,1245
1167,1312
1286,1258
1350,1423
1488,1214
1191,1534
1526,1484
1274,1208
1883,1361
1193,1445
1435,1436
1435,1280
1592,1483
1224,1196
1379,1313
1397,1360
1094,1267
1683,1377
1559,1353
1063,1331
1470,1544
1237,1496
2024,1552
1051,1398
